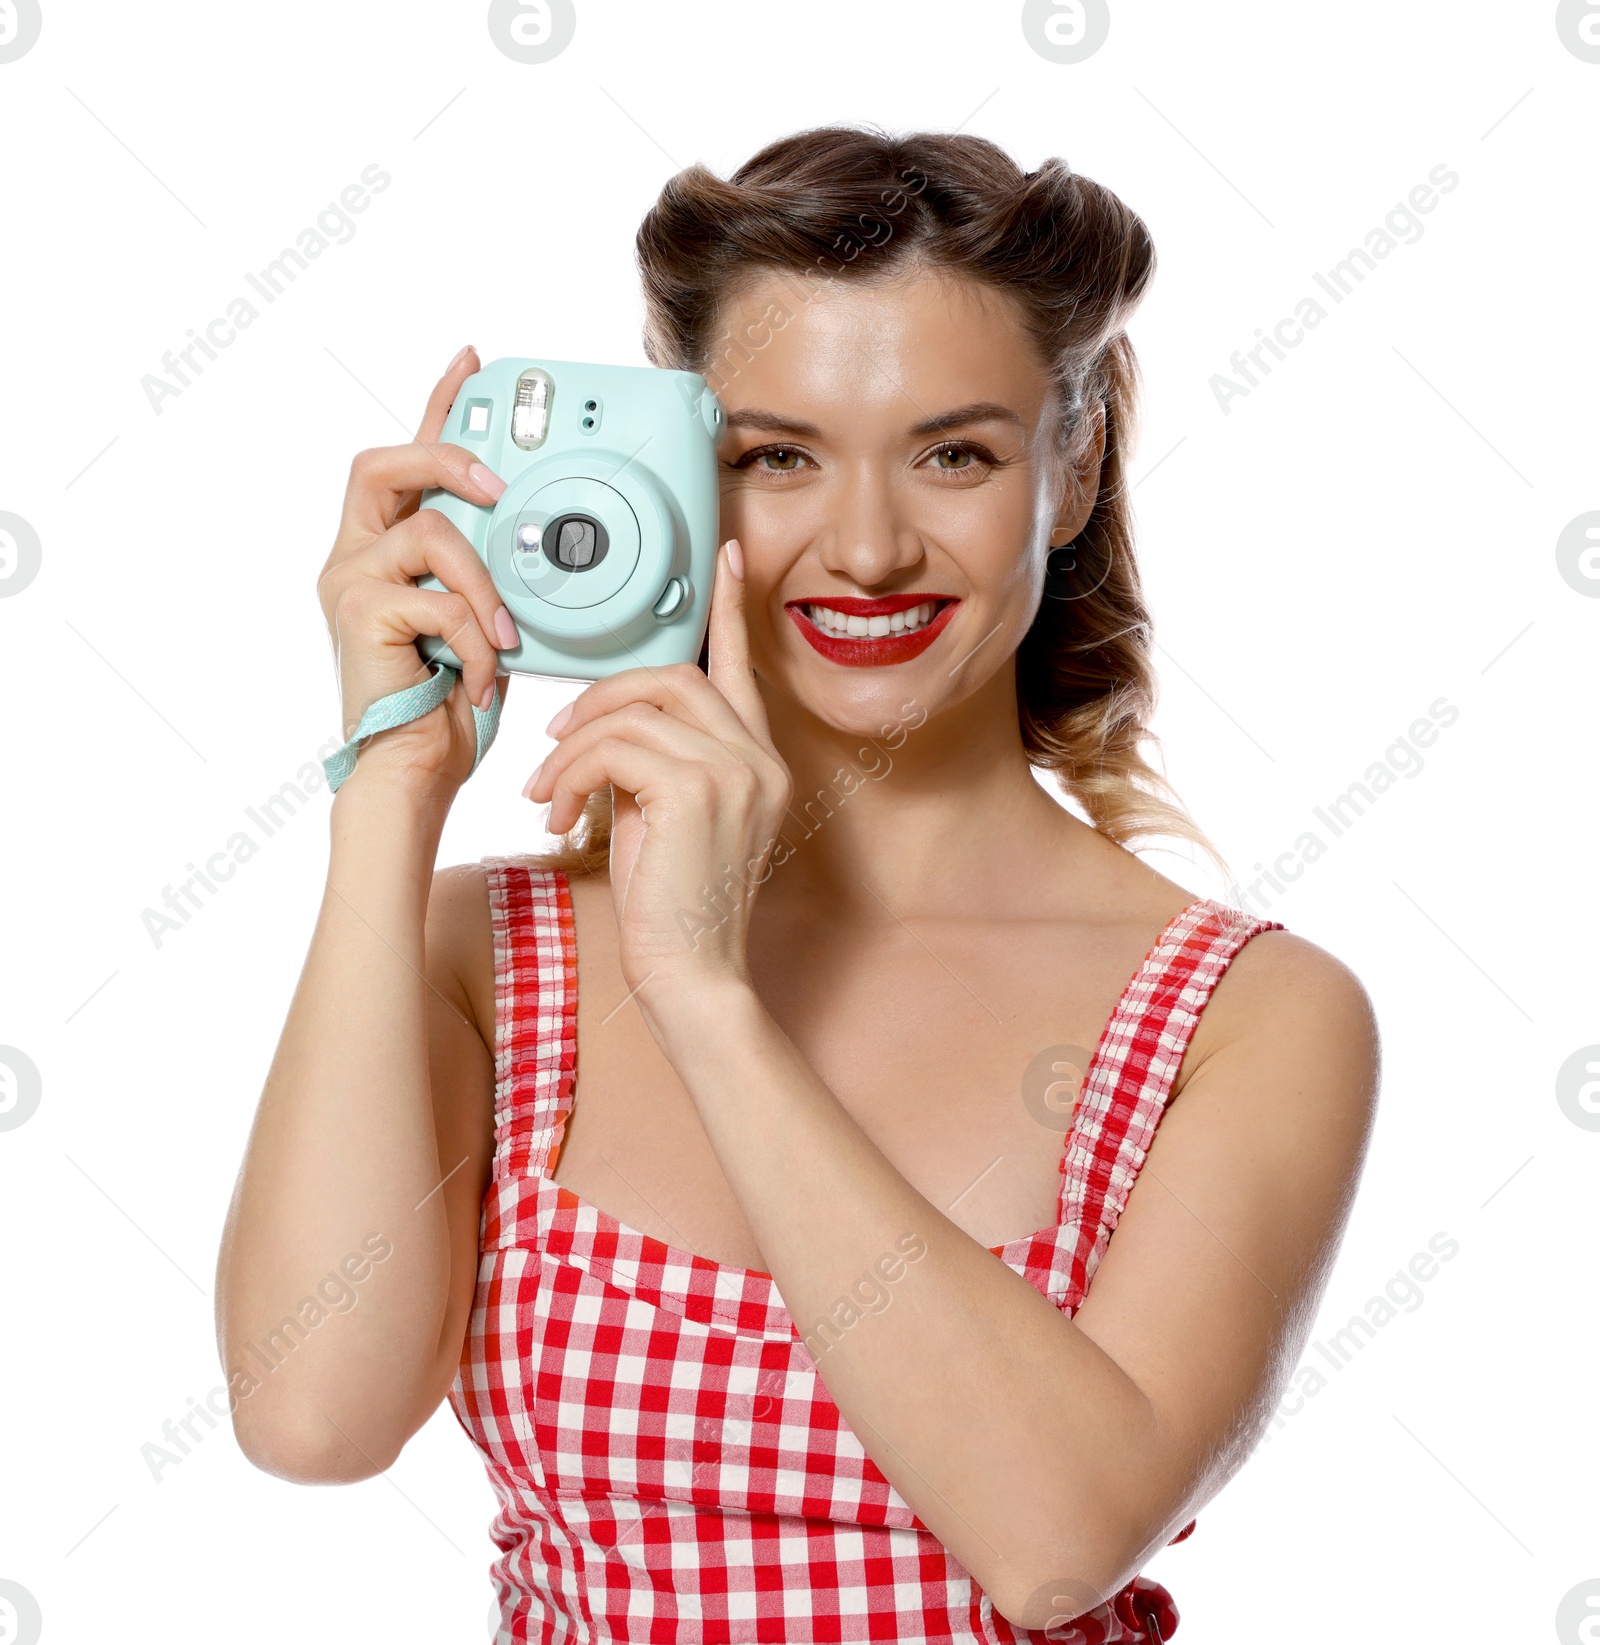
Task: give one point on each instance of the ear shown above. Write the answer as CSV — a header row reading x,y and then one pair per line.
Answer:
x,y
1082,481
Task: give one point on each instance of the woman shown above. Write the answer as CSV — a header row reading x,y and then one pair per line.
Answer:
x,y
800,1342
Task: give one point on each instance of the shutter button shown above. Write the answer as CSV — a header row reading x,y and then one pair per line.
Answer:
x,y
673,598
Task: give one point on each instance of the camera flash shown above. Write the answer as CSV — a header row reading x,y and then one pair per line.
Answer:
x,y
530,411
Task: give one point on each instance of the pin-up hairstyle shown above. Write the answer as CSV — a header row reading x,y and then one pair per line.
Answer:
x,y
841,202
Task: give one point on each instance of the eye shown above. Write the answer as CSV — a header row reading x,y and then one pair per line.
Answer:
x,y
784,459
964,457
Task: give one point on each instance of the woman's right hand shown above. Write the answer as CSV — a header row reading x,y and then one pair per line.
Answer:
x,y
375,611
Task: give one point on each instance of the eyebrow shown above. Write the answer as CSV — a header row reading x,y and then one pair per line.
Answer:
x,y
775,422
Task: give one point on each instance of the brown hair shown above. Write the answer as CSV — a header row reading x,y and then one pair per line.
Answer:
x,y
848,202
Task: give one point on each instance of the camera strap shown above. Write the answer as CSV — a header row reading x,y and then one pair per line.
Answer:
x,y
400,708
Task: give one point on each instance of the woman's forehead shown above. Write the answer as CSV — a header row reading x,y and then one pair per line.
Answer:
x,y
930,340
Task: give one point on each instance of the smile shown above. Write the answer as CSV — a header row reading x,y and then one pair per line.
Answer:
x,y
873,633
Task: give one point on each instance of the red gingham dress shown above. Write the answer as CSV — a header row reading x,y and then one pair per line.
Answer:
x,y
668,1464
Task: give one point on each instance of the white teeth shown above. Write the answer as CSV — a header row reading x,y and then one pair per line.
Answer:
x,y
899,622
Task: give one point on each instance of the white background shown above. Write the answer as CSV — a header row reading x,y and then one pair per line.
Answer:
x,y
1372,528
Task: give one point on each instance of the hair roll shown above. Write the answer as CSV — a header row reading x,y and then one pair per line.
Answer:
x,y
856,202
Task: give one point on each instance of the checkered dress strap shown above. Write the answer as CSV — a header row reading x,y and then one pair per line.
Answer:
x,y
1140,1052
536,1014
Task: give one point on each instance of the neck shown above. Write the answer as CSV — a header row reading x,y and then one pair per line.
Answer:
x,y
921,813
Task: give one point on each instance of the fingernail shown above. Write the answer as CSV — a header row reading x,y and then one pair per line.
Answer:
x,y
561,718
486,480
505,628
736,558
459,358
527,787
487,698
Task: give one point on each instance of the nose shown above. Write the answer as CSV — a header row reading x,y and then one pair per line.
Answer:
x,y
870,539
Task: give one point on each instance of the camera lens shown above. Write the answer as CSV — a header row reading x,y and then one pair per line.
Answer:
x,y
575,542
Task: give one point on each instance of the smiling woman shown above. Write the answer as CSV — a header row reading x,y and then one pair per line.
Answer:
x,y
821,1332
808,240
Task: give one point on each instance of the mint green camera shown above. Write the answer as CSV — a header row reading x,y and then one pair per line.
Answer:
x,y
604,544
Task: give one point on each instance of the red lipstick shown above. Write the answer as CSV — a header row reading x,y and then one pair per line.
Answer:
x,y
878,651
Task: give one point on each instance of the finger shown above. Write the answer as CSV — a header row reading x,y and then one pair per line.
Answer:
x,y
679,689
645,773
638,722
384,475
396,616
444,394
429,545
434,416
729,635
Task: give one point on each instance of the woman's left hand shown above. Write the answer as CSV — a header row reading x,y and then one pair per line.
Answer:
x,y
699,797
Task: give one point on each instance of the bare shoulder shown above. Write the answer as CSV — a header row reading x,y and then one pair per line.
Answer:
x,y
1212,1281
459,935
1290,1025
593,910
458,903
1279,979
460,932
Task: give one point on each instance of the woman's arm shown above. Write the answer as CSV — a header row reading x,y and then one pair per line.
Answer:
x,y
1052,1456
1049,1455
350,1251
368,1157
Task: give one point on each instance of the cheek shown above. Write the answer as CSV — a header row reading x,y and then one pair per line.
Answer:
x,y
988,532
770,520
